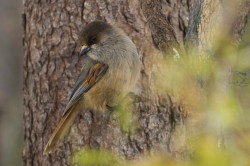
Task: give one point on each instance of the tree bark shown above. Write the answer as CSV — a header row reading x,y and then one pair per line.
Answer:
x,y
209,18
51,67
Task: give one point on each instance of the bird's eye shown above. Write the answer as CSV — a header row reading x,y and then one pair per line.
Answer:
x,y
92,40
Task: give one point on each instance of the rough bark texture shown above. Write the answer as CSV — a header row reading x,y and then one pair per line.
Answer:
x,y
51,67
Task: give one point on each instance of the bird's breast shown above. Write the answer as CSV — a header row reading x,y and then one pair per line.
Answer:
x,y
113,86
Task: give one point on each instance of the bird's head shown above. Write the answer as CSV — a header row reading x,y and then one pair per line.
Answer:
x,y
93,35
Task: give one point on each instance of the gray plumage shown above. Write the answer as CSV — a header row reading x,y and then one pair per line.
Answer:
x,y
111,70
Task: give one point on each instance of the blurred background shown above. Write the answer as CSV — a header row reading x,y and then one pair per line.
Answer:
x,y
11,83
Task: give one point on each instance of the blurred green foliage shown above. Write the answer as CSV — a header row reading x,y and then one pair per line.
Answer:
x,y
124,115
95,157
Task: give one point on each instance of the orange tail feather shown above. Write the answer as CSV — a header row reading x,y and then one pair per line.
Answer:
x,y
61,129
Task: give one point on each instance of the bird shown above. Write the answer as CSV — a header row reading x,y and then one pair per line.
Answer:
x,y
111,67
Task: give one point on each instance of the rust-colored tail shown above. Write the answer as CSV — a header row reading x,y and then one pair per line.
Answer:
x,y
61,129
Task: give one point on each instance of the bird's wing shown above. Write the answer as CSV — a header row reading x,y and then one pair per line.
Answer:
x,y
92,73
85,82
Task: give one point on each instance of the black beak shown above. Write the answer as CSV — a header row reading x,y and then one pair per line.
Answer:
x,y
84,51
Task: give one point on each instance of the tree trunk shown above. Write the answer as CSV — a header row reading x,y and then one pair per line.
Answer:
x,y
210,18
51,67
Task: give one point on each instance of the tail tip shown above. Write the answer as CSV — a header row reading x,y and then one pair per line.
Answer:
x,y
47,150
